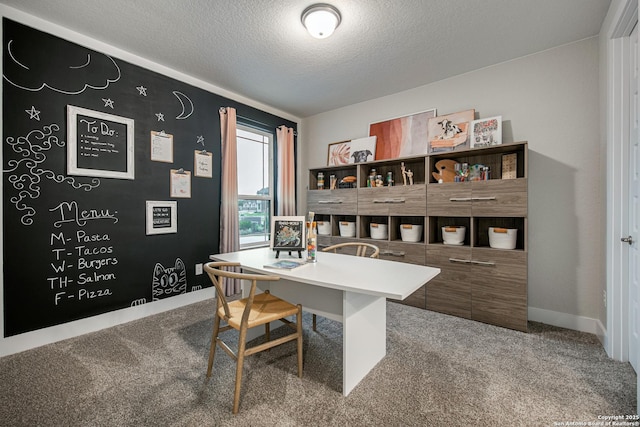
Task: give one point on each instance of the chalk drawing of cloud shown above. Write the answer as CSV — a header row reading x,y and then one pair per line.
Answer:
x,y
52,63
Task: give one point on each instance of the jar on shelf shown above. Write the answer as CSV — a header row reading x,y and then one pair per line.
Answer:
x,y
320,181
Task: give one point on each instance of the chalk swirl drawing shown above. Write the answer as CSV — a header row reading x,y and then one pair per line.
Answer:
x,y
169,281
182,98
26,173
35,69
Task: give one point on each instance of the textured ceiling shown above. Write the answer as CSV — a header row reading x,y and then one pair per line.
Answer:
x,y
259,48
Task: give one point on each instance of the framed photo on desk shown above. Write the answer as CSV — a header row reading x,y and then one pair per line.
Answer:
x,y
288,233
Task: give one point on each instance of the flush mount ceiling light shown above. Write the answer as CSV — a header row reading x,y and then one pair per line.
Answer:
x,y
321,20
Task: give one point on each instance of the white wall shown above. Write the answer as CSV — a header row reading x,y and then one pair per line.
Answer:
x,y
551,100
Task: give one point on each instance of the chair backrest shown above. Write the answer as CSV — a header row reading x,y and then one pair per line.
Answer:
x,y
215,271
361,248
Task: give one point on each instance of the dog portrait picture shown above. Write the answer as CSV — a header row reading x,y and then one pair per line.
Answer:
x,y
450,132
362,149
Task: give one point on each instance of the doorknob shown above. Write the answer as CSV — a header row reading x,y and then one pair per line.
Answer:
x,y
628,240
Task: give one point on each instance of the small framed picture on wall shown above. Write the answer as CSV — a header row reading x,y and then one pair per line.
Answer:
x,y
162,217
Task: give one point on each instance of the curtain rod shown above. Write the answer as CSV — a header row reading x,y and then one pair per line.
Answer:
x,y
295,133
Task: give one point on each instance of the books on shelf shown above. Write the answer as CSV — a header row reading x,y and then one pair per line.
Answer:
x,y
285,264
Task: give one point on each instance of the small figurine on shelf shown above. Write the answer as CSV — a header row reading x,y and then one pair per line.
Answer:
x,y
410,175
404,173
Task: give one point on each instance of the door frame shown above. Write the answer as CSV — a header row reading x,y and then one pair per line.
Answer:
x,y
617,150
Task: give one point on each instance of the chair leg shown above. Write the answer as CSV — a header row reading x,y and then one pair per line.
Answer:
x,y
241,349
214,343
314,323
299,329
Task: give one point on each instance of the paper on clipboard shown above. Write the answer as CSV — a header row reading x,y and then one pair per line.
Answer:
x,y
161,147
203,164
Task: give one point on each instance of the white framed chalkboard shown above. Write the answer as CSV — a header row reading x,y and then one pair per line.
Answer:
x,y
162,217
99,144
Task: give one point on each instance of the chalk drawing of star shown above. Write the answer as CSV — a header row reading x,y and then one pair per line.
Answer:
x,y
160,117
142,90
33,113
200,140
108,102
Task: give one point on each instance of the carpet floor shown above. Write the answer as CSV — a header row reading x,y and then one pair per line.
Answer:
x,y
439,371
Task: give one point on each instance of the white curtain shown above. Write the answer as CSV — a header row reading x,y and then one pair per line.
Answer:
x,y
286,191
229,227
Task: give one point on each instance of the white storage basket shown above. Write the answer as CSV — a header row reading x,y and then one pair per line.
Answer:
x,y
378,231
410,232
453,234
324,228
503,238
347,229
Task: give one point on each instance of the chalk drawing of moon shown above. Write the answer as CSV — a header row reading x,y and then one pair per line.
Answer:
x,y
182,98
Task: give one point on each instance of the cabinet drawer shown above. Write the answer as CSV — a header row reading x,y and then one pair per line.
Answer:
x,y
499,266
404,200
499,197
451,260
403,252
373,201
449,199
341,201
323,242
407,200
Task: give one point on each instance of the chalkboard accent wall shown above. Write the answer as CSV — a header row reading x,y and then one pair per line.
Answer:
x,y
77,175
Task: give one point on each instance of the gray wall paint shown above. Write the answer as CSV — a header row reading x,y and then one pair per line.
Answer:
x,y
551,100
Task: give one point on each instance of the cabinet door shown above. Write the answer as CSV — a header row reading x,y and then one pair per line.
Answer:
x,y
450,291
449,199
342,201
499,287
499,197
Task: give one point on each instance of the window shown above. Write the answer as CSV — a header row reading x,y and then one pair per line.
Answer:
x,y
255,184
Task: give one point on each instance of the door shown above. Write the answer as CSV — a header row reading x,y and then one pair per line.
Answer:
x,y
634,206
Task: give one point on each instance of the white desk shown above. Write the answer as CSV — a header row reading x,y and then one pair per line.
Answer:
x,y
345,288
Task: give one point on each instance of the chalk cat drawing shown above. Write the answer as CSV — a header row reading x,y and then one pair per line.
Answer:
x,y
168,282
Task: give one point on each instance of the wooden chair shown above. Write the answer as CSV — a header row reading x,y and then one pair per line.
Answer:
x,y
361,249
246,313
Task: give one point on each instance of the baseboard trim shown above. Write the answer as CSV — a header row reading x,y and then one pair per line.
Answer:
x,y
569,321
40,337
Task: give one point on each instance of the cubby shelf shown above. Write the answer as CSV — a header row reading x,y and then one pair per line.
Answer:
x,y
477,281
